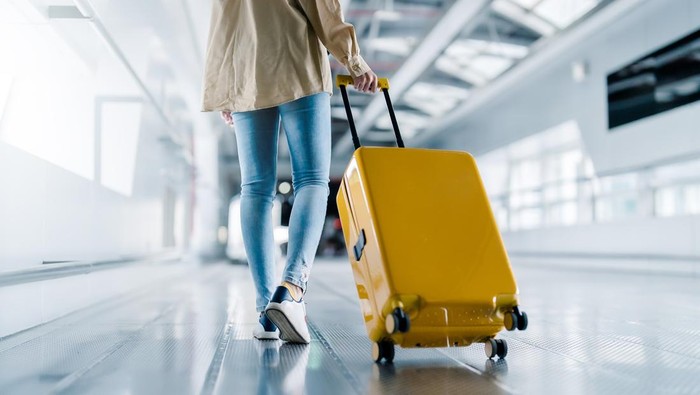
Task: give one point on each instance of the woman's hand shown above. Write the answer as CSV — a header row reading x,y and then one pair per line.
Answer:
x,y
227,117
367,82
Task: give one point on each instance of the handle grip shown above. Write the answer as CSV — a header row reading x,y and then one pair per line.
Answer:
x,y
342,81
346,80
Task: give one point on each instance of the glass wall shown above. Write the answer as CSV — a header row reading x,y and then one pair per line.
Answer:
x,y
95,137
68,97
548,180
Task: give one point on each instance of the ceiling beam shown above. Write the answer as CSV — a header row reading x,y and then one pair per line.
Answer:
x,y
463,15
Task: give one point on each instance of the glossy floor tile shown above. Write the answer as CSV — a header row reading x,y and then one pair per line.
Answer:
x,y
590,332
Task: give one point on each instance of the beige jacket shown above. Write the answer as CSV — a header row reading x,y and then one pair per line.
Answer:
x,y
263,53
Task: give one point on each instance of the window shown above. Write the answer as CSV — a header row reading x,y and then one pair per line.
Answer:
x,y
46,97
548,180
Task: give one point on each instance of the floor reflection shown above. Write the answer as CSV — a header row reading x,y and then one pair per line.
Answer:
x,y
282,367
399,379
496,367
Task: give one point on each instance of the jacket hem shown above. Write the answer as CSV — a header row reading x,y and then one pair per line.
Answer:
x,y
264,106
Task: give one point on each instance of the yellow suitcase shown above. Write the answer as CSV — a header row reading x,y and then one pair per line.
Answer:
x,y
430,267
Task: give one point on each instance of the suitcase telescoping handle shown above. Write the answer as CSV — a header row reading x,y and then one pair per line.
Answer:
x,y
343,81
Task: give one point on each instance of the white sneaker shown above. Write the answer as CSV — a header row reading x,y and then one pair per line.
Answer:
x,y
289,315
266,330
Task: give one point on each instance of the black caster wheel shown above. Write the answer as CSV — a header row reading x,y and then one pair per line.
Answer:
x,y
510,321
383,350
522,321
491,348
501,348
397,321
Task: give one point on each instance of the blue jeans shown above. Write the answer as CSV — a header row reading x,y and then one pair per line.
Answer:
x,y
307,123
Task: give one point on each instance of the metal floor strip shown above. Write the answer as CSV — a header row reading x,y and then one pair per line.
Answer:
x,y
346,372
218,359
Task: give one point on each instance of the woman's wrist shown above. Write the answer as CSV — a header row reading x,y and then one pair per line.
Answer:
x,y
357,66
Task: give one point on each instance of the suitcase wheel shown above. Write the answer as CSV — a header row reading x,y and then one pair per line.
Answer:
x,y
510,321
397,321
494,347
522,321
383,350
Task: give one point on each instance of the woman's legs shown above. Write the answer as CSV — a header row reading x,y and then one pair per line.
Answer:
x,y
307,123
257,134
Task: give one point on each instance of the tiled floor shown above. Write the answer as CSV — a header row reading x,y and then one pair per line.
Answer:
x,y
589,332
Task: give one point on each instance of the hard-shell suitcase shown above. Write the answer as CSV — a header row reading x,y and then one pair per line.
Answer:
x,y
430,267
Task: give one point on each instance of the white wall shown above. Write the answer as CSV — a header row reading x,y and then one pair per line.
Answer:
x,y
674,237
668,246
48,213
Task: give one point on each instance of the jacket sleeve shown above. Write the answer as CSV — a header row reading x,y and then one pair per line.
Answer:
x,y
338,36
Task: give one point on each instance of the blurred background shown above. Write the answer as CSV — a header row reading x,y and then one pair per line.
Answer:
x,y
582,114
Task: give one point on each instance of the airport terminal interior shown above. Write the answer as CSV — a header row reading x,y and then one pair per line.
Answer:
x,y
123,268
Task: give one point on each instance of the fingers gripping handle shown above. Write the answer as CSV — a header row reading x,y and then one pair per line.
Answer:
x,y
342,81
382,83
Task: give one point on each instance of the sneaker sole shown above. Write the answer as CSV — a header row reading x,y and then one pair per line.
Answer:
x,y
267,336
287,331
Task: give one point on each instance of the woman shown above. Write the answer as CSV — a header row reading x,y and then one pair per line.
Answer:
x,y
266,63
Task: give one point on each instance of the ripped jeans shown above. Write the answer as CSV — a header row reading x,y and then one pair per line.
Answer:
x,y
307,124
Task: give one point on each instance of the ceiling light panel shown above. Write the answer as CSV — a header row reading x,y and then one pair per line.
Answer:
x,y
526,3
436,91
519,15
461,49
401,46
434,108
434,99
450,66
493,48
409,124
490,66
564,12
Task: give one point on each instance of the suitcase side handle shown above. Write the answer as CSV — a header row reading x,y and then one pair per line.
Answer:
x,y
342,81
360,245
